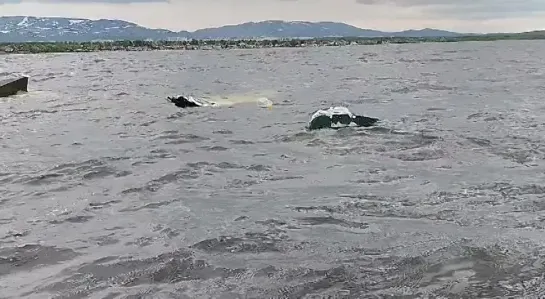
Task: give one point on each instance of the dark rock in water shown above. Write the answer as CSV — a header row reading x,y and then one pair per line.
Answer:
x,y
189,101
12,86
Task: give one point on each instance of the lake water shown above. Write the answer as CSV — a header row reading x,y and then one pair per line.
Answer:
x,y
109,191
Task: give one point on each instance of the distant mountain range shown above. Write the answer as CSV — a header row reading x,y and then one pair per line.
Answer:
x,y
53,29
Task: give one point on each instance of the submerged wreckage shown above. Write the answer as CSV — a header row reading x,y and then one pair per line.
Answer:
x,y
183,101
333,117
11,86
189,101
337,117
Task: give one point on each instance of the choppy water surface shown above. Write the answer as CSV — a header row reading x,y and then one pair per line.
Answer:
x,y
109,191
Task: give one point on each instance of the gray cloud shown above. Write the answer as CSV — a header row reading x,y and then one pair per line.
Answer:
x,y
469,9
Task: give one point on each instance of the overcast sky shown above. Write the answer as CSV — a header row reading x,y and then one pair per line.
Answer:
x,y
457,15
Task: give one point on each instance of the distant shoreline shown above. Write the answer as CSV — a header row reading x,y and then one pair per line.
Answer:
x,y
140,45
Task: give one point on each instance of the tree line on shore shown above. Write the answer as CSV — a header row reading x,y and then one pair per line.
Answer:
x,y
146,45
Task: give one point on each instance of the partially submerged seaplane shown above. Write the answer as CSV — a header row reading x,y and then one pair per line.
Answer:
x,y
333,117
187,101
338,117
